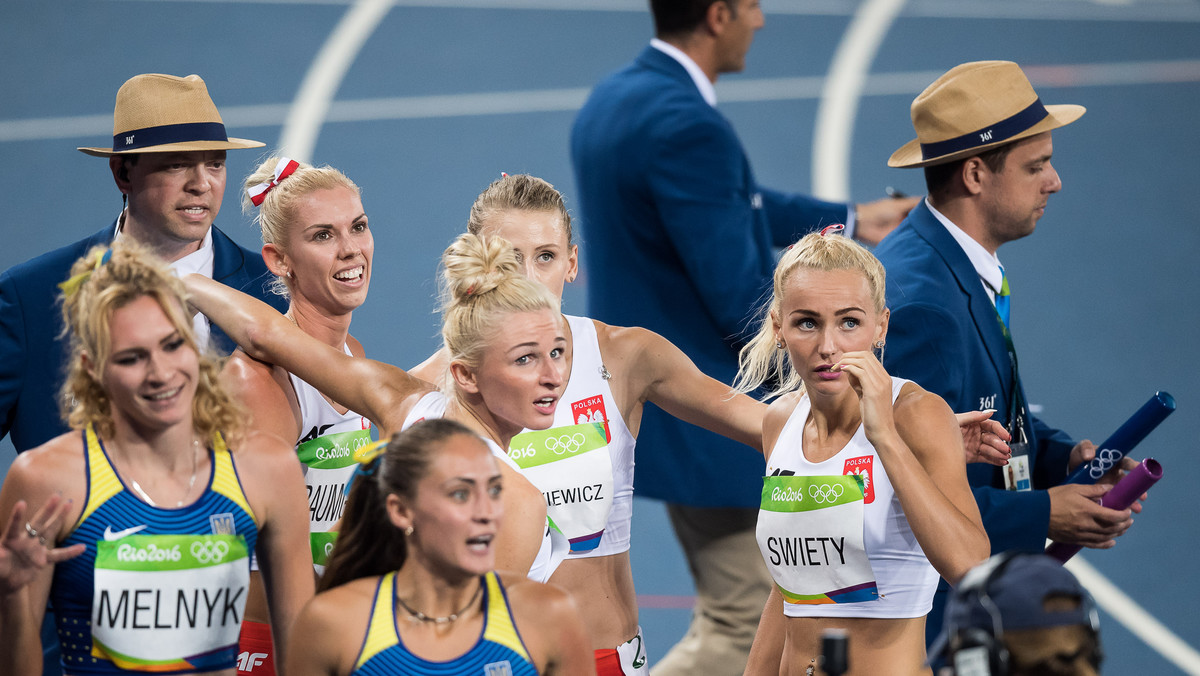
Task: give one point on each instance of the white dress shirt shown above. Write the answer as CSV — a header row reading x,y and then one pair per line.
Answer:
x,y
987,264
199,261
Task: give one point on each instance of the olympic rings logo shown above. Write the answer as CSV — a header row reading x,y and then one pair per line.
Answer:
x,y
567,443
207,551
1104,461
825,492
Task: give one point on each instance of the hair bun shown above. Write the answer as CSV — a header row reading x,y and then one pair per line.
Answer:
x,y
475,265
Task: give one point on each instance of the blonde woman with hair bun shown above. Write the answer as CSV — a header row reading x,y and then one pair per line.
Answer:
x,y
153,504
507,371
317,241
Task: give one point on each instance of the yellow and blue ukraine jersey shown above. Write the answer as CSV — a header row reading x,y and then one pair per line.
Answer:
x,y
498,652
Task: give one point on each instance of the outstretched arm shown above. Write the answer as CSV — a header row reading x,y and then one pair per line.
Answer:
x,y
660,372
381,392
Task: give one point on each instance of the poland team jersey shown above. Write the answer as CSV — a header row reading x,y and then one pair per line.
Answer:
x,y
833,533
328,440
498,652
584,463
157,589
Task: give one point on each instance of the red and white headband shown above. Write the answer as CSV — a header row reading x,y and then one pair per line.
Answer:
x,y
284,168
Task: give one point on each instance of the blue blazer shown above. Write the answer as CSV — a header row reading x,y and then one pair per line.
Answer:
x,y
944,335
33,353
680,239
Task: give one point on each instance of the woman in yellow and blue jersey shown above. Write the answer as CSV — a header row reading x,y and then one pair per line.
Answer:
x,y
411,586
143,518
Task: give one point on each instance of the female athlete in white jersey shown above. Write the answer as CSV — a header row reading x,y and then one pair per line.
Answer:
x,y
866,501
155,515
317,242
615,371
508,368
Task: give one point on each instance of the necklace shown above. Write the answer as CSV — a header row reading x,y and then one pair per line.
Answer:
x,y
422,617
191,482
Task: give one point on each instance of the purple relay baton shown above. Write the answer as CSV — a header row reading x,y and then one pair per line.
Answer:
x,y
1130,434
1122,495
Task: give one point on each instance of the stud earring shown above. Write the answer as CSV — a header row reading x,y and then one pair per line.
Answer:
x,y
779,345
408,531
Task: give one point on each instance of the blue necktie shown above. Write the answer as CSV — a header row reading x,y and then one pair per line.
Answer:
x,y
1002,297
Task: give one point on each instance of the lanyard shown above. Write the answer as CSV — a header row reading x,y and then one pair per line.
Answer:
x,y
1016,399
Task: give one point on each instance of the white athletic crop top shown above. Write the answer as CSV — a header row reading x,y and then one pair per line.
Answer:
x,y
904,580
328,440
593,510
554,545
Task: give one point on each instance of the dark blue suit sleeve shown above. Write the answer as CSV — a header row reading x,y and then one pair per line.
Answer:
x,y
923,345
792,215
699,183
12,351
1054,452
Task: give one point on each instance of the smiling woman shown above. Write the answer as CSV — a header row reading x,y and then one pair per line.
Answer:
x,y
155,506
317,242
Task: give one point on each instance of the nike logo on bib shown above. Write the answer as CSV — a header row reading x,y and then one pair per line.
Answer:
x,y
109,535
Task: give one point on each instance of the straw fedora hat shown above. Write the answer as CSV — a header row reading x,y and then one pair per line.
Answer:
x,y
163,113
975,107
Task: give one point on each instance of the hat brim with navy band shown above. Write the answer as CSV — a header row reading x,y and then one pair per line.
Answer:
x,y
973,108
157,113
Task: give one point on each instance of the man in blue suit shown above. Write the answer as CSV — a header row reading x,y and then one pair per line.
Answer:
x,y
984,139
682,240
168,161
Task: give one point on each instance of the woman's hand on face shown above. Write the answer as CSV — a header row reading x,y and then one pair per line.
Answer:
x,y
874,388
985,439
28,546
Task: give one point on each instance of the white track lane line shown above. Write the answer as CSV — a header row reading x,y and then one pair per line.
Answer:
x,y
1048,10
843,89
733,91
324,76
1133,617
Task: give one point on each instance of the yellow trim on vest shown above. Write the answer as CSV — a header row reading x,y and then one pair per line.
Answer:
x,y
103,482
225,480
381,631
500,627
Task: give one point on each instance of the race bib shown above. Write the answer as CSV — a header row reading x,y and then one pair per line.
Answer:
x,y
329,464
169,602
810,532
572,468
